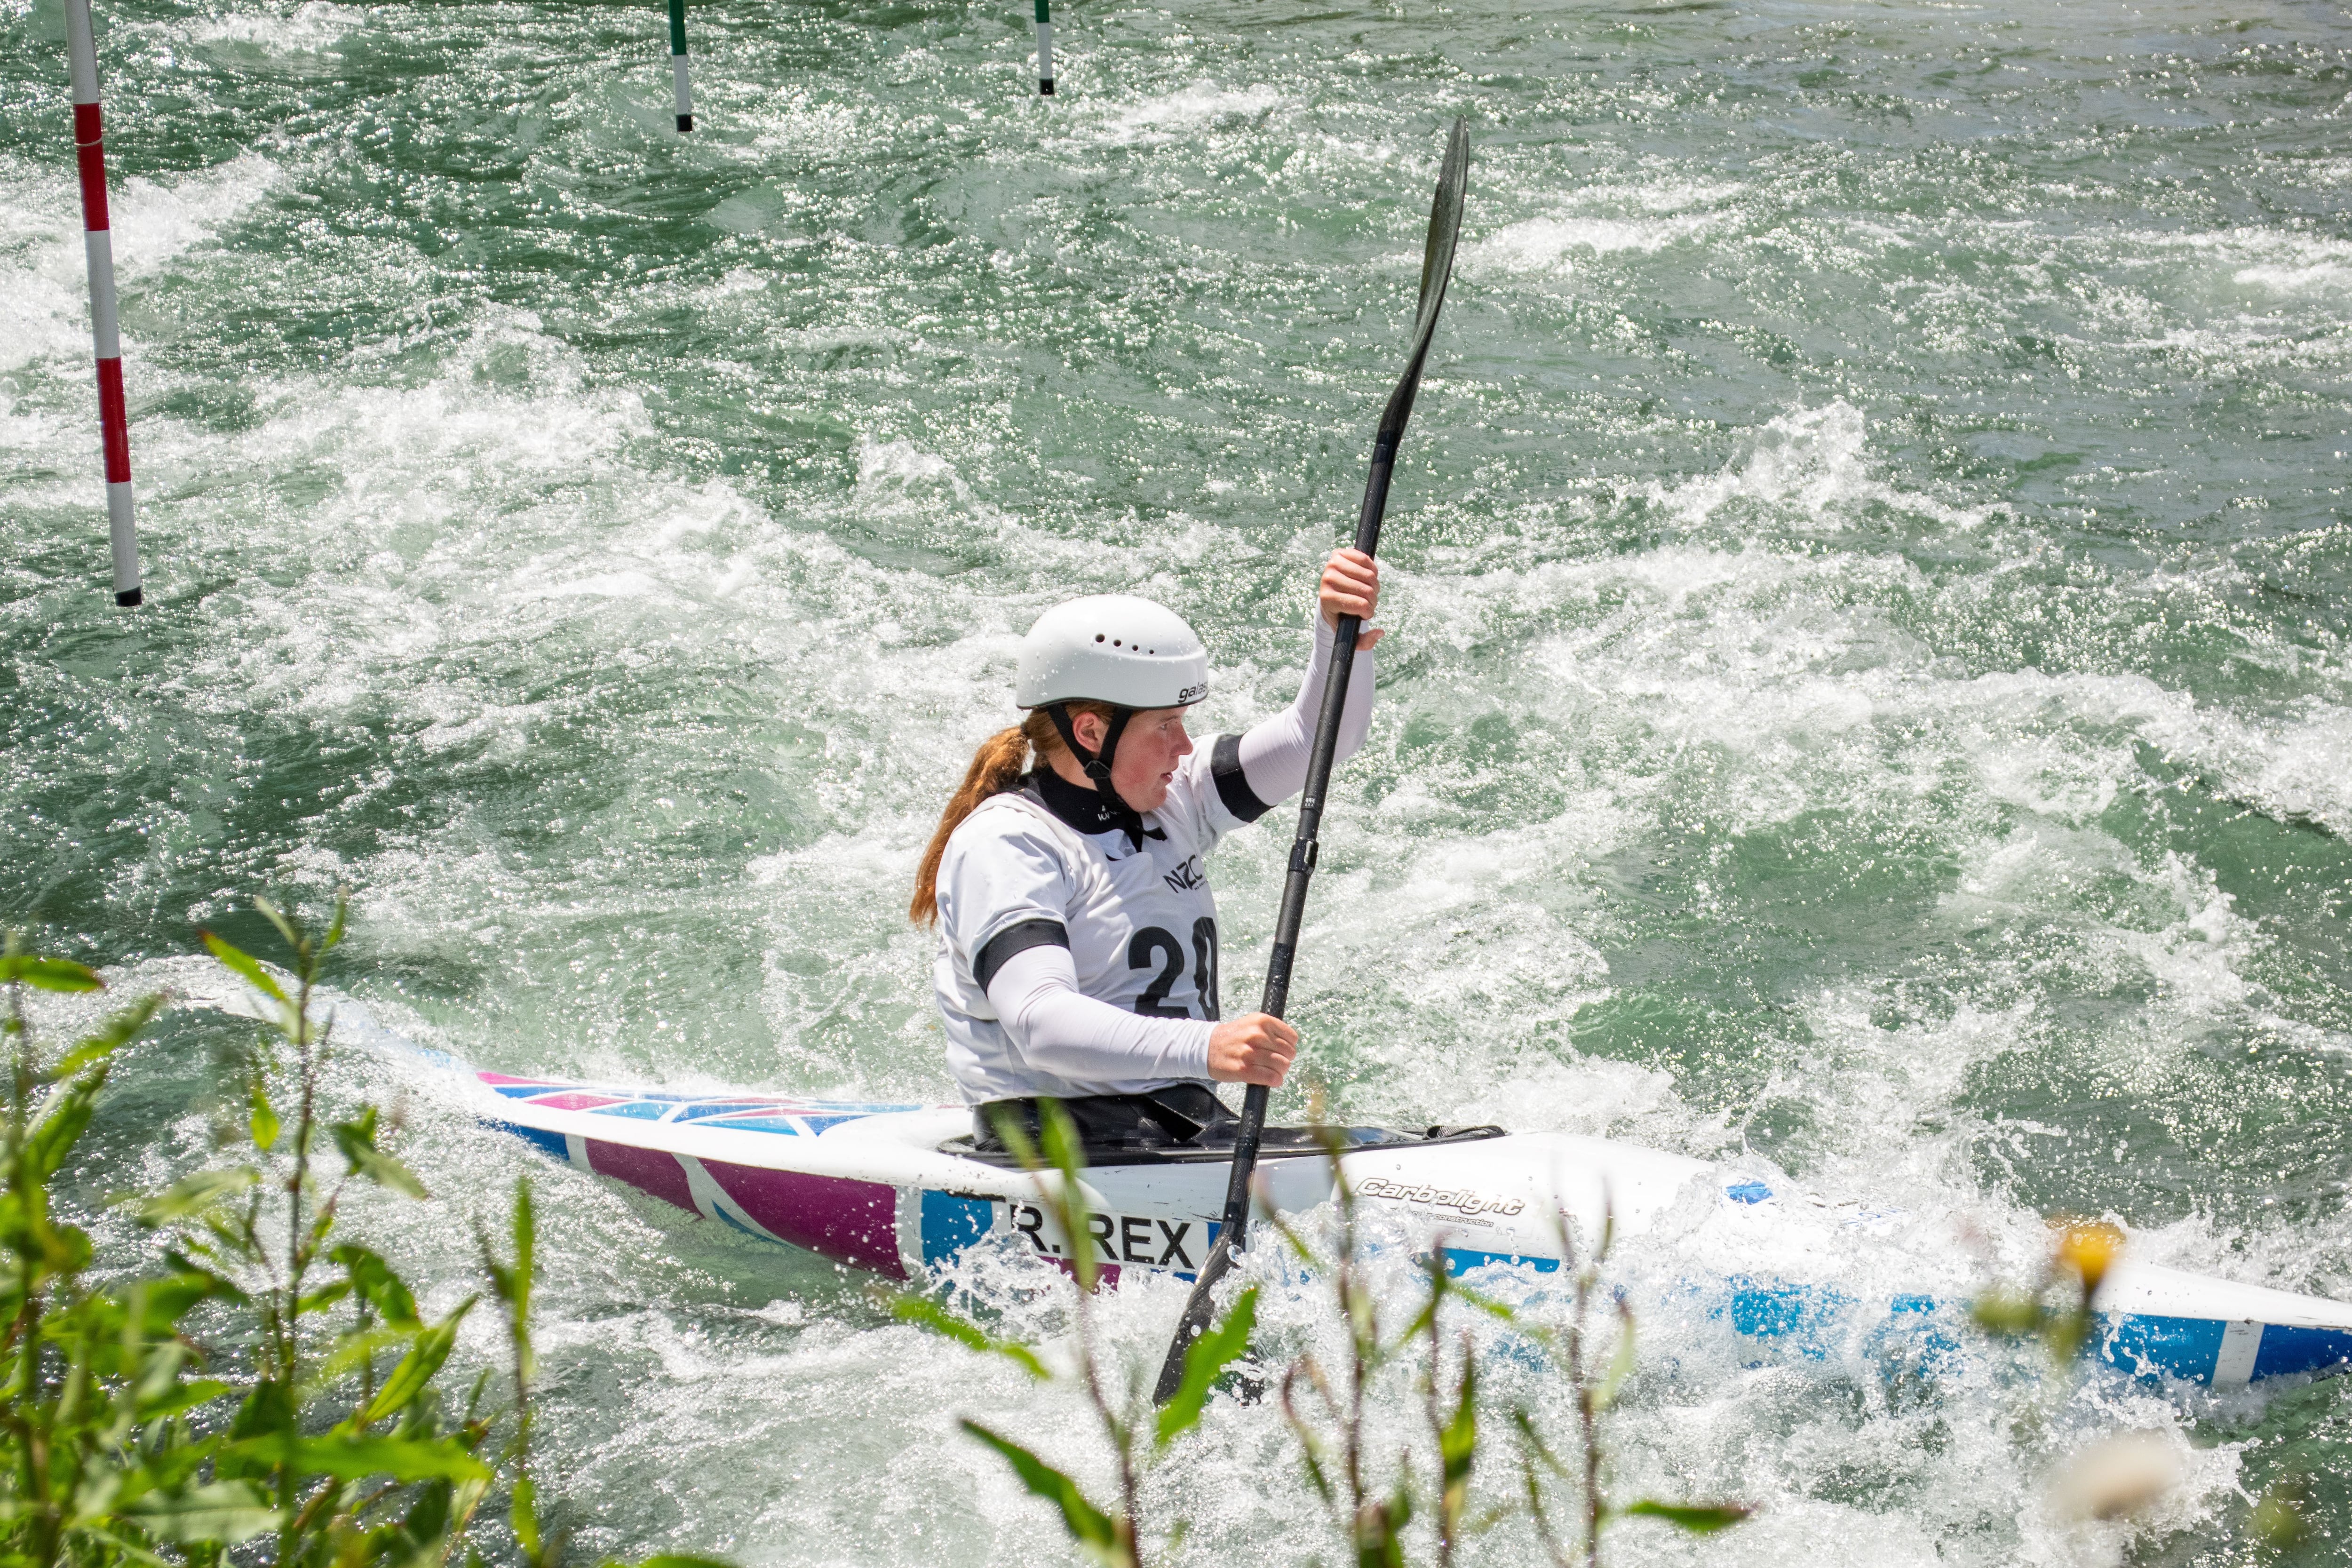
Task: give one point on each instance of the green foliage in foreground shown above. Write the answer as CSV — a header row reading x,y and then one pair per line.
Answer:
x,y
269,1392
1325,1407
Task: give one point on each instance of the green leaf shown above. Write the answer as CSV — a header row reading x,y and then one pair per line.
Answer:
x,y
1206,1361
49,974
240,964
193,1195
62,1125
110,1036
335,927
356,1139
1620,1365
356,1459
264,1118
225,1512
1700,1519
324,1296
1457,1441
418,1367
2008,1315
276,917
1486,1303
680,1560
182,1396
1070,1200
526,1246
938,1320
1537,1445
1092,1529
522,1513
131,1551
385,1291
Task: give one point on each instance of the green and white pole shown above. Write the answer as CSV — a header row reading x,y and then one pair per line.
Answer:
x,y
677,64
1045,51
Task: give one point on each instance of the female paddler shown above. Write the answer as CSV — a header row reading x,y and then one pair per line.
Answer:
x,y
1078,954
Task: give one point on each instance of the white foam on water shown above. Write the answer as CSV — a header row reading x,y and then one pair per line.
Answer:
x,y
315,26
1604,218
1203,105
46,271
1811,467
1543,243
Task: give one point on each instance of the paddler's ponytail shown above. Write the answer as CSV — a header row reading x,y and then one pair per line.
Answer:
x,y
996,767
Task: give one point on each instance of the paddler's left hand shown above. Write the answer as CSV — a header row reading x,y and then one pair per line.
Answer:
x,y
1351,586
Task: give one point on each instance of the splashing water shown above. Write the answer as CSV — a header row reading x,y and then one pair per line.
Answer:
x,y
1867,698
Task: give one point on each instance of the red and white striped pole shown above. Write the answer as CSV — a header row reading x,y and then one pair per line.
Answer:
x,y
113,420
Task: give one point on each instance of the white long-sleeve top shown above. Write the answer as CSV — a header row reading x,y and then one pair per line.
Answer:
x,y
1072,961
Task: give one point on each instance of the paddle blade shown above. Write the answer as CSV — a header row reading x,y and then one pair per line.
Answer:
x,y
1198,1309
1445,228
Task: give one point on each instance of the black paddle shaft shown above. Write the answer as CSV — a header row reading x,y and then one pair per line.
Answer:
x,y
1437,270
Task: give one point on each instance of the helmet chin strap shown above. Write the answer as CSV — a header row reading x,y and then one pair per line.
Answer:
x,y
1097,764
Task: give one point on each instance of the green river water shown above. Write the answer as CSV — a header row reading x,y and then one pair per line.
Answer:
x,y
1867,695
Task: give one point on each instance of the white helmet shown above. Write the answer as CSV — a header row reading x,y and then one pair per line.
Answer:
x,y
1115,648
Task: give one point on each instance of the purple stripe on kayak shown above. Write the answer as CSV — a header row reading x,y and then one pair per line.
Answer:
x,y
853,1222
649,1169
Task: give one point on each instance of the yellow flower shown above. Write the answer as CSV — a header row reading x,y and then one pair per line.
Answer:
x,y
2088,1247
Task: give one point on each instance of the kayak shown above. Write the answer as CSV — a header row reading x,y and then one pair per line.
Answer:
x,y
898,1191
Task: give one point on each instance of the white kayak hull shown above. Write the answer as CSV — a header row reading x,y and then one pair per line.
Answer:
x,y
871,1186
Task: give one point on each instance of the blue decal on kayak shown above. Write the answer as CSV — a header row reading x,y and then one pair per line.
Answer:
x,y
1797,1313
1462,1259
2286,1350
951,1223
525,1090
721,1210
791,1125
636,1109
727,1108
1917,1333
550,1142
1748,1193
2147,1345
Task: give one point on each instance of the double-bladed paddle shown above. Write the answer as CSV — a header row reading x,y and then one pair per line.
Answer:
x,y
1436,268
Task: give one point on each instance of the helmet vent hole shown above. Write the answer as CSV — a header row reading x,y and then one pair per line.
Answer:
x,y
1099,637
1116,643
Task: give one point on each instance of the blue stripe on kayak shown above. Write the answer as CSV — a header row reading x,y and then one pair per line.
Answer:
x,y
636,1109
2288,1350
2147,1345
720,1209
548,1142
950,1224
1773,1311
1462,1259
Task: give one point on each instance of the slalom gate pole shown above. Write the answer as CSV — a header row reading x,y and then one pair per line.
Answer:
x,y
98,240
1044,50
677,64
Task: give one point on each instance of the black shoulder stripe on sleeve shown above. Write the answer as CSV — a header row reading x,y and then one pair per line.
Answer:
x,y
1233,784
1013,939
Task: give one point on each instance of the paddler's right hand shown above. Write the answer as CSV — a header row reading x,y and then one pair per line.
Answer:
x,y
1254,1048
